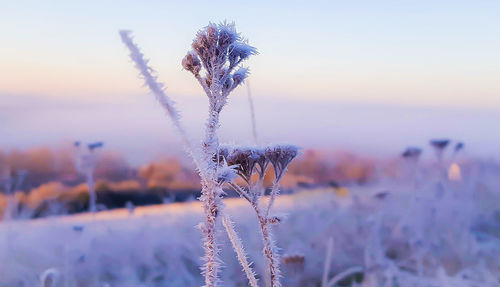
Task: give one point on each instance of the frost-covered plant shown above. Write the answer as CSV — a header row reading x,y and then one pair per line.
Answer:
x,y
85,164
250,162
218,51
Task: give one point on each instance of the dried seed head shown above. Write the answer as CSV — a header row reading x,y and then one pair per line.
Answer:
x,y
440,144
245,159
280,156
262,161
202,47
212,34
212,47
192,63
274,220
459,146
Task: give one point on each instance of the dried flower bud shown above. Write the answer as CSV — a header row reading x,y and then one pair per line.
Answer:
x,y
208,80
239,76
212,34
280,156
262,162
227,35
192,63
228,84
274,220
245,159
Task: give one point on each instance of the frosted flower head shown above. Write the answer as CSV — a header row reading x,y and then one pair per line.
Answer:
x,y
212,34
201,46
280,156
240,51
192,63
240,75
218,49
245,160
262,161
440,144
227,35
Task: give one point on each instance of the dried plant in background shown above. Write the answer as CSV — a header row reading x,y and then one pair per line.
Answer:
x,y
412,153
439,146
215,62
85,164
11,182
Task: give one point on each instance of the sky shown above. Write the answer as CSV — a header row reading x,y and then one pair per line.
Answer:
x,y
432,67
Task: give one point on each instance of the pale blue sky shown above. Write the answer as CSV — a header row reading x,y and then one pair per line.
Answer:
x,y
410,52
413,55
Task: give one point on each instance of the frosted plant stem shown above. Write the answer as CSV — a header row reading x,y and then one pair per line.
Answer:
x,y
269,248
209,200
274,192
238,248
328,261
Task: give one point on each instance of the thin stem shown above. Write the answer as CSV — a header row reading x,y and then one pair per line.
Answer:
x,y
238,248
269,248
328,261
240,191
252,113
92,194
274,192
344,274
203,85
209,199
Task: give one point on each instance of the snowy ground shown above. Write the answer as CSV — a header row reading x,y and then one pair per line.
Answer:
x,y
438,233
